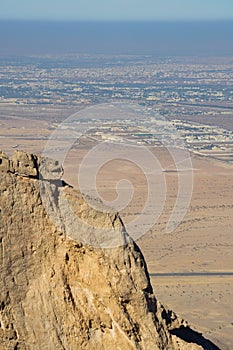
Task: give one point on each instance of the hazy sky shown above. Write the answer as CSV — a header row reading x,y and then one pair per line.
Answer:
x,y
116,9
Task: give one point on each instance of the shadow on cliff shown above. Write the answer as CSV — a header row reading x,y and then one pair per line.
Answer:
x,y
191,336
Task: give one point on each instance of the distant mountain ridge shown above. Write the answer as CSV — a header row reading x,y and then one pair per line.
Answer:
x,y
58,293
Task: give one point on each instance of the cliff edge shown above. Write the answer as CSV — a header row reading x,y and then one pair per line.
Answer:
x,y
58,292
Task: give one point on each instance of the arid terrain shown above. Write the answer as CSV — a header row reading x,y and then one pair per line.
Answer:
x,y
203,241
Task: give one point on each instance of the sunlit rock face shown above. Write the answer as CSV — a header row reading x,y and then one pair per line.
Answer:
x,y
58,292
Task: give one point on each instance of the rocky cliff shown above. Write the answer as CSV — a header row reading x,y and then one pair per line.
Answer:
x,y
58,292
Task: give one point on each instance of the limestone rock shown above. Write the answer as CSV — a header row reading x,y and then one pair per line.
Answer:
x,y
30,165
58,292
50,169
5,163
25,164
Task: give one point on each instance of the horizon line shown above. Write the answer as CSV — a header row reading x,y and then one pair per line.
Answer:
x,y
181,20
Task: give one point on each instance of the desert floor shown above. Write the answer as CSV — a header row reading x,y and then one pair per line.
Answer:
x,y
203,241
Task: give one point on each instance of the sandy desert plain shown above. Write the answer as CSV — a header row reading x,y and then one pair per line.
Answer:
x,y
203,242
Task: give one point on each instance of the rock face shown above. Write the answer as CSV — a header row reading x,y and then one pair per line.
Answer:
x,y
58,293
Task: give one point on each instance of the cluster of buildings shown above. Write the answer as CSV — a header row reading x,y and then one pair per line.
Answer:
x,y
177,89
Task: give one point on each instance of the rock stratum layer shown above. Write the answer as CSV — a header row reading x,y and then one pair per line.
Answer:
x,y
58,293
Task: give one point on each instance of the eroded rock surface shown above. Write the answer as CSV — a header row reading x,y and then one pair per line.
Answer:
x,y
58,292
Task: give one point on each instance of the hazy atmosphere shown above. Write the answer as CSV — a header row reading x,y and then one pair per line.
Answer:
x,y
156,38
160,27
117,9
